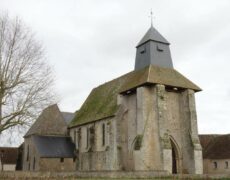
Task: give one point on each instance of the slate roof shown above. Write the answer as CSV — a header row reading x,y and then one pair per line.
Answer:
x,y
154,35
217,148
102,101
54,147
9,155
68,117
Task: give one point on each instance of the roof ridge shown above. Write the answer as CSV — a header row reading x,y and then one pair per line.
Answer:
x,y
152,35
126,74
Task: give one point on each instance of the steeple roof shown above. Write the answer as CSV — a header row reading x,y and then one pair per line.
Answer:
x,y
153,49
154,35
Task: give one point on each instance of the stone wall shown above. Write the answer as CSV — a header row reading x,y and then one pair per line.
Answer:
x,y
219,168
55,164
8,167
94,152
158,118
150,122
31,158
148,157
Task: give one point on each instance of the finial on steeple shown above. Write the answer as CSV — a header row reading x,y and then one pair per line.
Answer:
x,y
151,16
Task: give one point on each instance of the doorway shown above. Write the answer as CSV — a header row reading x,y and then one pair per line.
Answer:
x,y
175,157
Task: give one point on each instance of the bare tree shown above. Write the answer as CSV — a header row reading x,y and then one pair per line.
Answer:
x,y
25,78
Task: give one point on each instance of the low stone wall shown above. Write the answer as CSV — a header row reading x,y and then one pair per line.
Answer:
x,y
104,175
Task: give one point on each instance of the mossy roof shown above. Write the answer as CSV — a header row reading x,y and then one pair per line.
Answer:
x,y
102,101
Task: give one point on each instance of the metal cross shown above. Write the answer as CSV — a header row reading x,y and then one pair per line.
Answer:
x,y
151,16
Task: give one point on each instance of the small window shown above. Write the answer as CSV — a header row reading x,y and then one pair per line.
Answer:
x,y
215,165
74,159
142,49
160,48
103,134
61,160
87,137
226,164
78,138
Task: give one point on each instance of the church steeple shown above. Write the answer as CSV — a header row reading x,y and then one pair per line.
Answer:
x,y
153,49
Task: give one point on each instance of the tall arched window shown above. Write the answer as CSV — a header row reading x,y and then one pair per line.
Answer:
x,y
87,137
27,156
103,134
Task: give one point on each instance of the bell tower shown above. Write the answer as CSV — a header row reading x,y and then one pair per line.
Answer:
x,y
153,49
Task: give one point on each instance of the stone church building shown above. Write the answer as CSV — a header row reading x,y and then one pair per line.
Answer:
x,y
143,120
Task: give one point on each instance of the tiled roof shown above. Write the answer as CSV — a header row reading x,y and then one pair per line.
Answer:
x,y
205,139
102,101
216,146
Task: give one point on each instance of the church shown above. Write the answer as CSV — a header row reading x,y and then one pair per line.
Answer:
x,y
144,120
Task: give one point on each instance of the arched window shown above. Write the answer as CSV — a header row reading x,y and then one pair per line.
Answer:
x,y
103,134
87,137
27,156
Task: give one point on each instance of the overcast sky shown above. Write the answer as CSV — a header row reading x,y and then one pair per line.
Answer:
x,y
90,42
